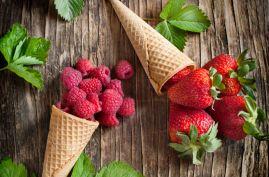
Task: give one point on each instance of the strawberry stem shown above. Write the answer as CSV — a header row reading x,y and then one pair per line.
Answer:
x,y
195,146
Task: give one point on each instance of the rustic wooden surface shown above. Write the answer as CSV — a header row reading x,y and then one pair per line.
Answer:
x,y
142,140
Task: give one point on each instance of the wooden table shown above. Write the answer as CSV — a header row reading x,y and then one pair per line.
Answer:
x,y
142,140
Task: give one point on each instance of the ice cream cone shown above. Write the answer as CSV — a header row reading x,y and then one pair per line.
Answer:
x,y
160,59
68,136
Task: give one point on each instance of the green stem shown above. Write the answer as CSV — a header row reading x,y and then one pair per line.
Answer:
x,y
3,68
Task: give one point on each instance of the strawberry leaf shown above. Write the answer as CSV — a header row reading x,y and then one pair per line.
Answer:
x,y
195,146
10,40
21,52
172,34
171,9
69,9
192,19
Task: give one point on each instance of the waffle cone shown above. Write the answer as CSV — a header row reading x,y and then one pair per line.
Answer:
x,y
160,59
67,138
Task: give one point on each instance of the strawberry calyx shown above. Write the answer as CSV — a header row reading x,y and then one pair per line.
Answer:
x,y
245,66
196,146
252,115
217,84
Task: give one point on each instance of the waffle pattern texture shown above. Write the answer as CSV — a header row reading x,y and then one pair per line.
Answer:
x,y
68,136
159,58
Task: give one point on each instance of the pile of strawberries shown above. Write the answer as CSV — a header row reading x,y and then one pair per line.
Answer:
x,y
217,98
91,94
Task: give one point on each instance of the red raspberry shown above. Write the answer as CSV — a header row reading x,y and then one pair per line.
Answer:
x,y
111,101
71,97
127,108
84,66
108,120
59,105
91,85
115,84
102,73
70,77
84,109
94,99
124,70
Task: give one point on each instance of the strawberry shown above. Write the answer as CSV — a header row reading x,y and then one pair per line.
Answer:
x,y
237,69
192,132
223,63
177,77
237,117
232,87
198,89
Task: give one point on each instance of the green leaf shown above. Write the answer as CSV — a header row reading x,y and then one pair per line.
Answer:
x,y
10,169
69,9
10,40
18,50
192,19
30,75
179,147
251,64
27,60
38,48
261,115
83,167
248,91
242,57
172,34
232,74
118,169
171,9
193,134
243,70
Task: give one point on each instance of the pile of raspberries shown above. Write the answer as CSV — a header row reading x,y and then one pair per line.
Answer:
x,y
91,94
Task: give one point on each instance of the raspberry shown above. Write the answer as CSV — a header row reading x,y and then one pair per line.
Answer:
x,y
108,120
84,109
111,101
124,70
75,94
127,108
70,77
91,85
102,73
84,66
59,105
115,84
94,99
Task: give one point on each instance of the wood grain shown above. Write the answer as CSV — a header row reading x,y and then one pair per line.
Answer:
x,y
141,140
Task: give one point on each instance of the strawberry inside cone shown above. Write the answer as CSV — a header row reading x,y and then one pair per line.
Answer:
x,y
198,89
90,92
192,131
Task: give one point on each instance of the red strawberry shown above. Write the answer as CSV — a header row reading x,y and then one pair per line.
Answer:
x,y
232,87
237,117
223,64
177,77
197,90
192,130
229,67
